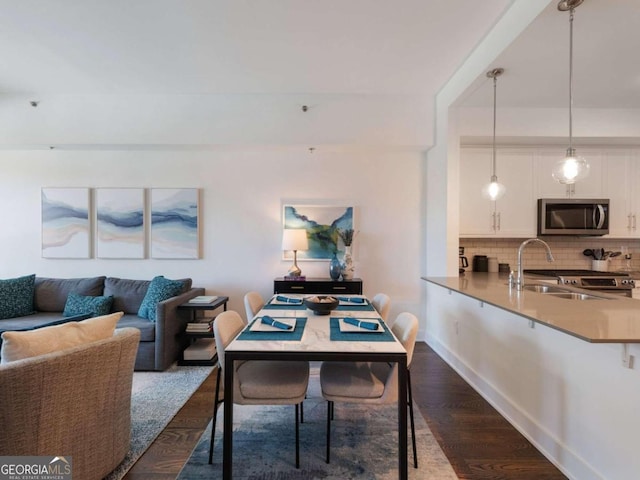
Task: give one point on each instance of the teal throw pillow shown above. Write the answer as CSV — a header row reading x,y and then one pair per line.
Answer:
x,y
16,296
160,289
86,305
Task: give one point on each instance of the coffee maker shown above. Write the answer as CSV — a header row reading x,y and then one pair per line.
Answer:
x,y
462,262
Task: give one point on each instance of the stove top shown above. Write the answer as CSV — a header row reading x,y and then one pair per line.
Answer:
x,y
574,273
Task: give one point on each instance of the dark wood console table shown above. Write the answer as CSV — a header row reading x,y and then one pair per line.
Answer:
x,y
318,285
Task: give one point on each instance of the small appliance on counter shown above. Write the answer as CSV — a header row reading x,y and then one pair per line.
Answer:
x,y
492,263
463,262
480,263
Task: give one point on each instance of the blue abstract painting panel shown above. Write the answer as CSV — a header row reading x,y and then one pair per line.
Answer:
x,y
65,223
120,222
322,224
174,223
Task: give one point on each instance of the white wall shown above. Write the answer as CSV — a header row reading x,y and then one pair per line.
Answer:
x,y
241,196
588,123
383,121
443,159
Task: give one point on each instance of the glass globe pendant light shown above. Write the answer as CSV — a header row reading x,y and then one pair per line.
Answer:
x,y
572,167
494,189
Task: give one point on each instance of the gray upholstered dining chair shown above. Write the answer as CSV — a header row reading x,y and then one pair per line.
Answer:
x,y
370,382
253,302
258,382
382,303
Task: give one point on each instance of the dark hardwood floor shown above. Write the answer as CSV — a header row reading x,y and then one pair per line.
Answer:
x,y
477,440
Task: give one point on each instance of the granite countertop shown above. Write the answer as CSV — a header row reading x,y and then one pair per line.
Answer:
x,y
612,319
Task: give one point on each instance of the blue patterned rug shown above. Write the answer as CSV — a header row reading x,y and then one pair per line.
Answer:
x,y
156,397
363,444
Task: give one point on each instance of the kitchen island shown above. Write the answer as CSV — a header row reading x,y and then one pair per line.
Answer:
x,y
605,319
560,370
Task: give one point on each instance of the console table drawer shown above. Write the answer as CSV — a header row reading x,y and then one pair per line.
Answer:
x,y
318,285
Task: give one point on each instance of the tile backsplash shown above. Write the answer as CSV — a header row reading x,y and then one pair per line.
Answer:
x,y
567,251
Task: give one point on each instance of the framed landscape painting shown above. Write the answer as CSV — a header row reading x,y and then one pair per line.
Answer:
x,y
119,222
174,223
322,224
66,231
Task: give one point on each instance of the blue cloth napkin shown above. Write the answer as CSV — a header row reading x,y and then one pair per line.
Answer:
x,y
361,323
267,320
294,301
352,299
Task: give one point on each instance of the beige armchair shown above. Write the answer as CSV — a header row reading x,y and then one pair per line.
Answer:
x,y
75,402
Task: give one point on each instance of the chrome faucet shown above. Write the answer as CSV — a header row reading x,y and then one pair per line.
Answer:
x,y
519,280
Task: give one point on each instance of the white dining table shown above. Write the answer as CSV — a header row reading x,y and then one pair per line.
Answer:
x,y
315,345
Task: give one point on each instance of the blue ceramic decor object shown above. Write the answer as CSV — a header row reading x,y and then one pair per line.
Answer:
x,y
335,268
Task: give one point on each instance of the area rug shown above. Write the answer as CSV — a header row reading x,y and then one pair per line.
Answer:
x,y
156,397
363,444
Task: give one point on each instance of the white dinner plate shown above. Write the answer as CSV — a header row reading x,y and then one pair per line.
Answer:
x,y
274,301
258,326
348,328
354,304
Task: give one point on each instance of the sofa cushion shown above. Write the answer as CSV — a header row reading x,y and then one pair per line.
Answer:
x,y
159,290
37,320
82,304
51,293
127,294
16,296
147,328
20,345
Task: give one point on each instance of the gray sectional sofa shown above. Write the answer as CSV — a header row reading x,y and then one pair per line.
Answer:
x,y
161,341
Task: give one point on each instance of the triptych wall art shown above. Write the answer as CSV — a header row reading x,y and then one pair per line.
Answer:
x,y
123,219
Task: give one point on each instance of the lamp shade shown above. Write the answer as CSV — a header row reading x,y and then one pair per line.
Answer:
x,y
294,239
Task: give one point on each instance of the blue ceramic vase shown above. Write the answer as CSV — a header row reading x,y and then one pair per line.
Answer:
x,y
335,268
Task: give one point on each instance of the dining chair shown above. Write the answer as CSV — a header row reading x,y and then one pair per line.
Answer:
x,y
382,303
253,302
371,382
258,382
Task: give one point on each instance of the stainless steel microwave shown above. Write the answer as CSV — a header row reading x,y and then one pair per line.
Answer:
x,y
573,216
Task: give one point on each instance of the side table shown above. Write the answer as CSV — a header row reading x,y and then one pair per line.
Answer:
x,y
195,309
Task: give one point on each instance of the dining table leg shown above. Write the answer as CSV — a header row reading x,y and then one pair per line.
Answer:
x,y
402,419
227,437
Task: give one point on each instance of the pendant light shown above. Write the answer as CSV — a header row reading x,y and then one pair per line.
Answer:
x,y
494,189
571,168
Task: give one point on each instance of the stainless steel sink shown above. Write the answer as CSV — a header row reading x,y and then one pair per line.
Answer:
x,y
545,289
576,296
560,292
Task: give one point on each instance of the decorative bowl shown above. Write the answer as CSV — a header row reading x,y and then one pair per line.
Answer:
x,y
321,304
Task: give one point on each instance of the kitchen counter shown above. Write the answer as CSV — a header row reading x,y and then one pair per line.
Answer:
x,y
613,319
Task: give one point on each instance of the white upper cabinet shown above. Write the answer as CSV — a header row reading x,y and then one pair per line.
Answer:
x,y
621,179
548,187
514,215
526,173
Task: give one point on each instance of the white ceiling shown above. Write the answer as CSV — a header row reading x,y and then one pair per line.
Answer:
x,y
238,46
373,68
606,68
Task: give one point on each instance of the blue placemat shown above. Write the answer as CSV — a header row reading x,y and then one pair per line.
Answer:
x,y
337,336
296,335
282,306
361,308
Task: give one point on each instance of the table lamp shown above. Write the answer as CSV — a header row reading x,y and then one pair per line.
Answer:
x,y
294,239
